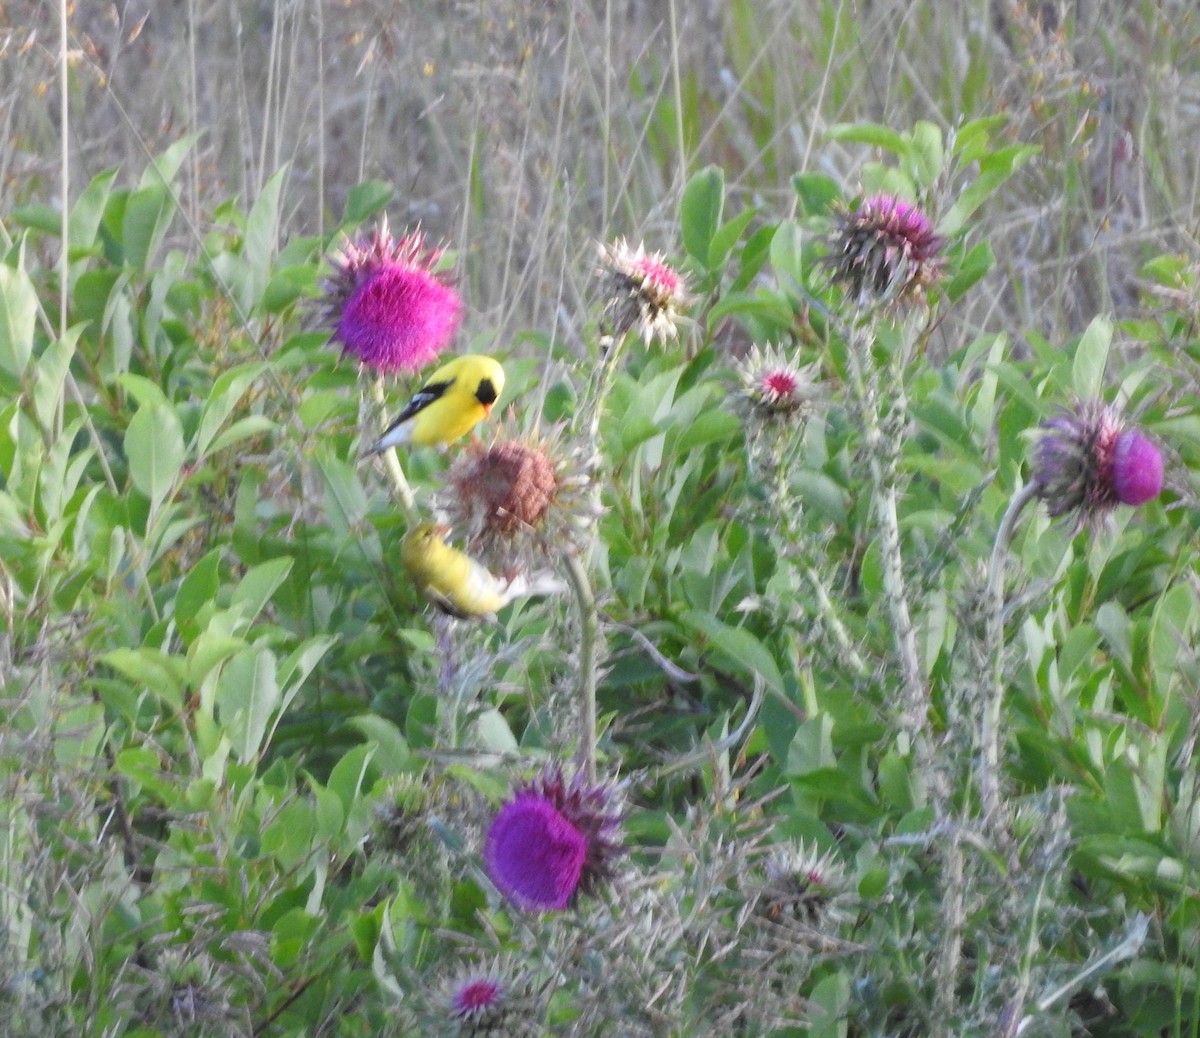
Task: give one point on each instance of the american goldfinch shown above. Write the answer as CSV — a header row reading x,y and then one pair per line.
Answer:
x,y
450,404
456,583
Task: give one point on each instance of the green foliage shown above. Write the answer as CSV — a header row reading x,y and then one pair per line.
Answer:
x,y
242,763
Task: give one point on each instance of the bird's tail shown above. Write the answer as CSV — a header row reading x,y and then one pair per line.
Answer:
x,y
541,583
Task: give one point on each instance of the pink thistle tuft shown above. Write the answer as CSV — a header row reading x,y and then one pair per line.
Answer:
x,y
553,841
387,304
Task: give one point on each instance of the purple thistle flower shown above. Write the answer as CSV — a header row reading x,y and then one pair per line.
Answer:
x,y
1086,463
553,841
483,999
884,251
387,304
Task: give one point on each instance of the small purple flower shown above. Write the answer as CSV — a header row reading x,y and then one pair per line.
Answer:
x,y
884,251
482,999
387,304
1086,463
552,841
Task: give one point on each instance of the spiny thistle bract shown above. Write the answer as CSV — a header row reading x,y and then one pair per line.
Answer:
x,y
517,500
1087,462
884,251
553,841
386,303
773,384
641,291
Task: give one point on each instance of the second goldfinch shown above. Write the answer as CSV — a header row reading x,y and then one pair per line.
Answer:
x,y
454,399
456,584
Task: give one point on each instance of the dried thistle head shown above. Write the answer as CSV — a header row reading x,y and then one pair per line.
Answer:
x,y
519,499
387,304
1087,462
884,251
641,291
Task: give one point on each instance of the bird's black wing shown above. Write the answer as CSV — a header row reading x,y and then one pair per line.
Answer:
x,y
421,399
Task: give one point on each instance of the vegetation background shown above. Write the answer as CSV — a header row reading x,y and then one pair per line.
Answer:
x,y
182,520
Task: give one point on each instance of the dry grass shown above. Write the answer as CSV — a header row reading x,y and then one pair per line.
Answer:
x,y
521,131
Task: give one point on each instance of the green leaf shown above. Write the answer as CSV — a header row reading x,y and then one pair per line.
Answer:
x,y
154,447
928,153
51,374
160,675
247,696
816,192
261,236
727,237
258,585
198,587
1091,357
148,215
868,133
18,315
243,429
88,210
700,212
227,391
740,649
366,199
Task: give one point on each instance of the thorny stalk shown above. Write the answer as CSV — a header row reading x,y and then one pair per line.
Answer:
x,y
915,709
589,636
989,727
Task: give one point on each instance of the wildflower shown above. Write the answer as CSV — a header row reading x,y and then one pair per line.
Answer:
x,y
387,305
491,999
884,251
773,384
642,290
553,841
1087,462
799,884
514,498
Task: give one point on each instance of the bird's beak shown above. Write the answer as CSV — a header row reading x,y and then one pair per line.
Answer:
x,y
487,410
442,530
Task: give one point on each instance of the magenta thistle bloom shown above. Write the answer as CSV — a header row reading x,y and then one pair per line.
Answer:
x,y
387,304
885,251
488,1000
774,384
643,291
553,841
1087,462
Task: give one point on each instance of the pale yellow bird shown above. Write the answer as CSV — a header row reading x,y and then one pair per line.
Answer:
x,y
453,400
456,584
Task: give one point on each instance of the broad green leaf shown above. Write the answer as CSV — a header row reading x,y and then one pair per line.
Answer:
x,y
700,212
1091,357
89,210
50,376
868,133
262,236
928,152
739,647
198,588
154,448
817,193
366,199
243,429
727,237
258,585
156,673
247,695
787,252
148,215
227,391
18,315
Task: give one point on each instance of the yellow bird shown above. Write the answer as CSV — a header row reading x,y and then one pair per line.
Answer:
x,y
456,584
456,398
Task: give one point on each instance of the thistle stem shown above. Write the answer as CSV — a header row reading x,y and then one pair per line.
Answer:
x,y
391,465
989,728
589,636
915,708
594,408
